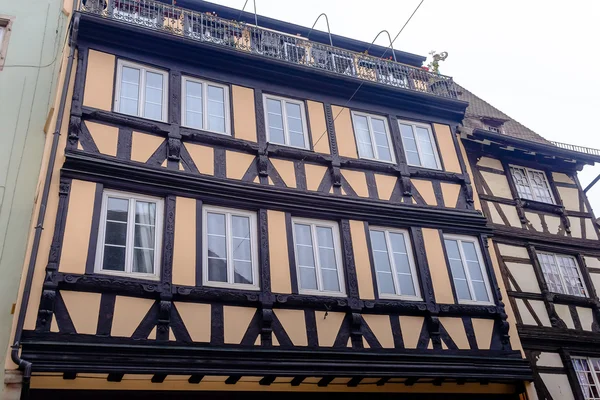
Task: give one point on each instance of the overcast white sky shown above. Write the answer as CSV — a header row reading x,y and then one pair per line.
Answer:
x,y
537,61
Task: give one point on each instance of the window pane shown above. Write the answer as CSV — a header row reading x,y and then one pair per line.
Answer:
x,y
117,209
144,236
129,95
216,223
242,272
216,109
462,289
154,94
217,247
407,286
240,226
521,182
410,145
114,258
330,280
539,184
143,261
385,283
480,291
241,249
427,150
217,270
381,139
116,233
308,279
303,234
363,138
570,273
193,104
275,121
305,256
378,240
551,273
145,212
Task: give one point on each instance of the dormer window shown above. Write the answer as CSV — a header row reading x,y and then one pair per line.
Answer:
x,y
495,129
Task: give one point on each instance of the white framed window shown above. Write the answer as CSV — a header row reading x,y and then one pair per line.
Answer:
x,y
141,91
318,257
562,274
230,249
532,184
468,270
394,264
130,235
205,105
588,375
286,121
419,145
372,137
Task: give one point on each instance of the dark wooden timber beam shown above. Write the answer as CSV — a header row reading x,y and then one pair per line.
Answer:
x,y
267,380
298,380
232,380
195,378
159,378
411,381
354,381
114,377
383,381
326,380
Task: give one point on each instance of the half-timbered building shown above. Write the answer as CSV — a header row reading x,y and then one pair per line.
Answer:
x,y
546,241
235,204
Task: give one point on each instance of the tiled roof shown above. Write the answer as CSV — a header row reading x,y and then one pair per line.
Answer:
x,y
479,108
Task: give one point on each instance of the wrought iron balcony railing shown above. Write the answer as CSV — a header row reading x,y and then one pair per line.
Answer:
x,y
248,38
580,149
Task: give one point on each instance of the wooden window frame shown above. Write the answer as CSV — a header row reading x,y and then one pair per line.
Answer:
x,y
229,212
375,157
561,274
158,228
313,223
414,126
527,169
472,239
593,372
286,133
205,84
411,261
142,89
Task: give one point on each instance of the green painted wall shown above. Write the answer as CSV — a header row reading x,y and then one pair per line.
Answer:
x,y
27,91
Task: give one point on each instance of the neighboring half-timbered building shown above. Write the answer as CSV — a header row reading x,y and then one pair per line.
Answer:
x,y
230,207
546,241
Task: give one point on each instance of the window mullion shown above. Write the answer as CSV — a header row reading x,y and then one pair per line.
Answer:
x,y
229,248
313,233
394,272
466,269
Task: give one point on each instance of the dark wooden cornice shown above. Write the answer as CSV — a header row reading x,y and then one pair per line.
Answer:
x,y
55,352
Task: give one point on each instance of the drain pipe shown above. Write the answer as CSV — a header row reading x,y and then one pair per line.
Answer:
x,y
25,365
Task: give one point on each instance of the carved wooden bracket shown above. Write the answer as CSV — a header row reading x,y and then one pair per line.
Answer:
x,y
164,319
263,165
266,329
174,149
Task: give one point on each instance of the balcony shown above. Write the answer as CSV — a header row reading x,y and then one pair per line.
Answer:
x,y
270,44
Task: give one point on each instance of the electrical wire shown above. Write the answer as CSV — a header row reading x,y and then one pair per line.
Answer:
x,y
359,86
